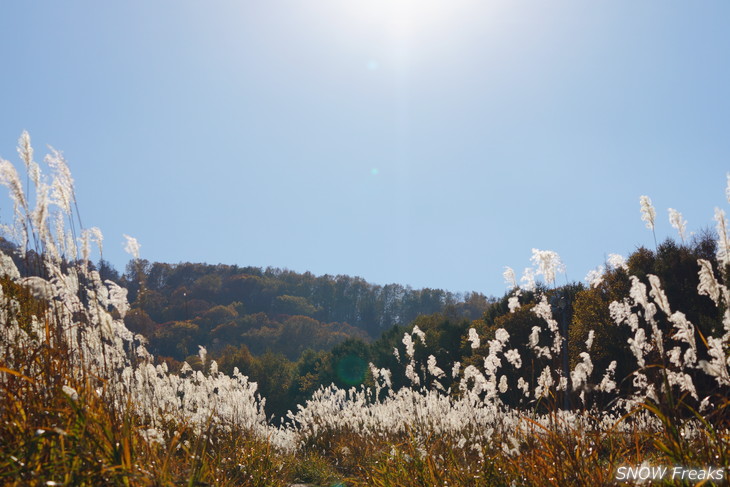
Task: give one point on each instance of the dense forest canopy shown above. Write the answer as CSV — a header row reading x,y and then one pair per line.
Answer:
x,y
181,306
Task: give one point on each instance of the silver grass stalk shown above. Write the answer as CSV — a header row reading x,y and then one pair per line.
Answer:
x,y
25,150
62,185
723,243
683,380
544,311
132,246
503,386
509,277
617,261
514,358
434,369
708,285
544,383
39,217
717,367
675,219
492,362
513,303
528,278
589,341
375,372
548,264
648,214
9,178
85,247
60,229
579,376
607,383
455,369
595,276
411,374
524,386
685,333
473,338
658,294
420,334
408,342
97,237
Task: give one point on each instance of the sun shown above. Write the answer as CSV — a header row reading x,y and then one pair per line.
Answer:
x,y
403,18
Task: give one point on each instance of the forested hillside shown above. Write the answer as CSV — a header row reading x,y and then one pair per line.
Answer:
x,y
181,306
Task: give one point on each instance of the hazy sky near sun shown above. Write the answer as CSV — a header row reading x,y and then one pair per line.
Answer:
x,y
428,143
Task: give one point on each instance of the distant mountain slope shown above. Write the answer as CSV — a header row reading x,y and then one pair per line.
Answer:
x,y
181,306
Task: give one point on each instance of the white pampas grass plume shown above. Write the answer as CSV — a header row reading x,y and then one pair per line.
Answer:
x,y
683,380
473,338
648,214
548,264
411,374
534,336
132,246
513,303
658,294
503,386
595,277
408,342
616,261
118,297
589,341
528,277
723,244
544,383
708,285
419,333
524,386
434,369
514,358
96,236
675,219
39,216
638,345
582,371
455,369
607,383
62,185
509,277
25,150
717,367
501,335
9,178
85,246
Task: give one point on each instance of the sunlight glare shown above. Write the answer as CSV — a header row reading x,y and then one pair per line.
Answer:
x,y
405,18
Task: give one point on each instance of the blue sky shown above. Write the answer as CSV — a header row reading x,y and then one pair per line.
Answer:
x,y
428,143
